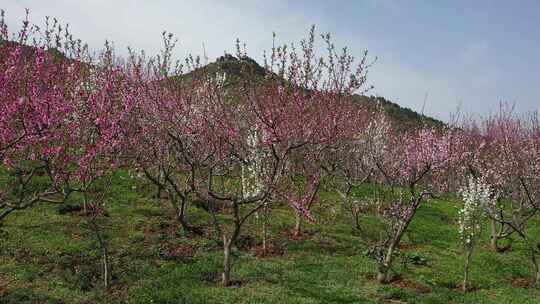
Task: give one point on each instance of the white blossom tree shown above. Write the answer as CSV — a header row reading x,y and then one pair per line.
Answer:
x,y
477,196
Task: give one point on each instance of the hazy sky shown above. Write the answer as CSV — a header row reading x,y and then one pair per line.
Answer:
x,y
469,53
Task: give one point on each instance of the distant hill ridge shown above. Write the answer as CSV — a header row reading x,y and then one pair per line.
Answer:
x,y
238,69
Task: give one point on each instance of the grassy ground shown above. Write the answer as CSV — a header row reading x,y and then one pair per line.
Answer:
x,y
46,257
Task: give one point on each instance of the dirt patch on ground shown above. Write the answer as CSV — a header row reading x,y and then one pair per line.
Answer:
x,y
179,252
91,211
522,282
4,283
459,288
118,290
173,228
400,282
411,285
150,231
163,228
272,250
76,236
408,247
302,236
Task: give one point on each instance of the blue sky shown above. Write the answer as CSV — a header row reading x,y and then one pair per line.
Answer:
x,y
467,54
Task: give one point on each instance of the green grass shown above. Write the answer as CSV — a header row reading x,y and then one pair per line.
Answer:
x,y
46,257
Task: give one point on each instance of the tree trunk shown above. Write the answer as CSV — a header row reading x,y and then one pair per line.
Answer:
x,y
536,266
264,228
537,280
182,215
386,263
104,253
105,267
355,213
298,224
383,276
465,286
4,214
161,180
226,275
85,202
494,239
356,219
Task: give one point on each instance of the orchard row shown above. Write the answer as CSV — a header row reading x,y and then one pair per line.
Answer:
x,y
237,145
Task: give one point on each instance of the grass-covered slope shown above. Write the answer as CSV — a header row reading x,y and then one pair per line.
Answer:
x,y
47,257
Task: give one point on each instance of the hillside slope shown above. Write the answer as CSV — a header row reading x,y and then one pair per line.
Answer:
x,y
47,257
247,68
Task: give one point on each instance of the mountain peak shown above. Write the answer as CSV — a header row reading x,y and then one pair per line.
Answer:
x,y
237,66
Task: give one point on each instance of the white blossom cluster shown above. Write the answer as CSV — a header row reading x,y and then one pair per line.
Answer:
x,y
252,173
476,197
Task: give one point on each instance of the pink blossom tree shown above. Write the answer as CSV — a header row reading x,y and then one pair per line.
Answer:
x,y
167,142
323,116
64,115
513,169
293,120
501,149
351,162
36,85
411,162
